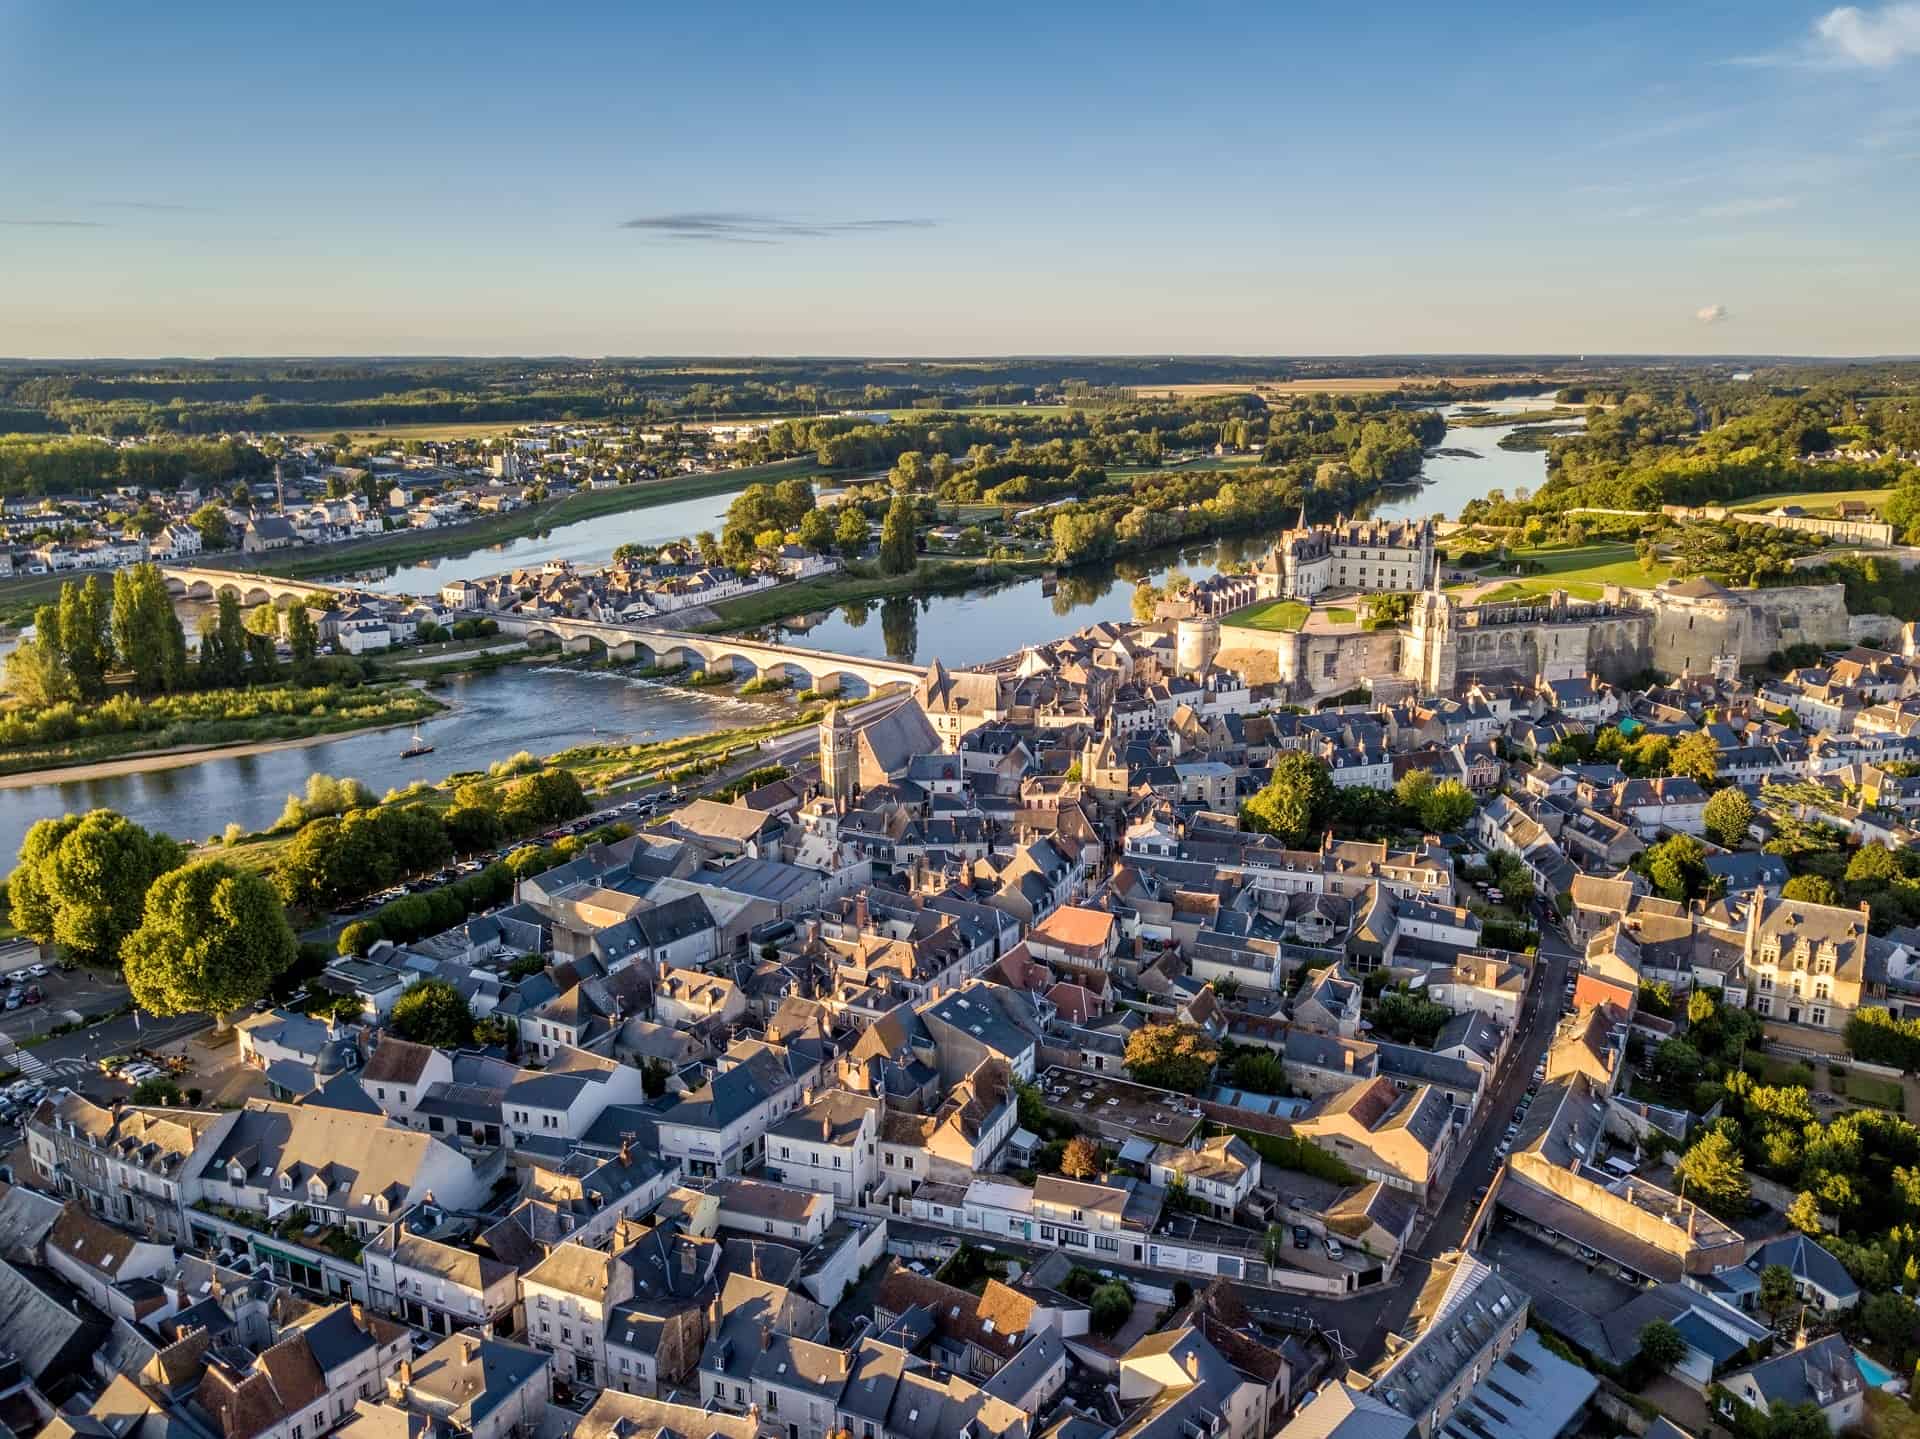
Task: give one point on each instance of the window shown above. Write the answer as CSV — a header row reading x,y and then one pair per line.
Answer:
x,y
1817,1015
1763,1005
1106,1244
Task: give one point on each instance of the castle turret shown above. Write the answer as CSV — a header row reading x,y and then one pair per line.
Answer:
x,y
1196,642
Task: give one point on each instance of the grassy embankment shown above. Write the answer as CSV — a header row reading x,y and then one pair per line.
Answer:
x,y
124,726
1580,570
931,576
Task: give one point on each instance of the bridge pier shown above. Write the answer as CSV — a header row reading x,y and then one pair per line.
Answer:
x,y
578,644
718,665
826,684
626,652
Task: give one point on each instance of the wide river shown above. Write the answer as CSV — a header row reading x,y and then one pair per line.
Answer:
x,y
550,707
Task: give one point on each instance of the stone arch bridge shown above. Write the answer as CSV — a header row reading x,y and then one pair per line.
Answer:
x,y
205,583
727,654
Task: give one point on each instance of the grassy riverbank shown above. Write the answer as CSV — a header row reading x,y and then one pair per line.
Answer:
x,y
124,727
931,576
1486,419
600,769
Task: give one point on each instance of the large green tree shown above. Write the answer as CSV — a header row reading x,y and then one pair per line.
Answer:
x,y
433,1012
86,637
1295,803
1661,1346
303,640
1678,867
223,645
850,532
213,938
1714,1173
897,550
81,880
1171,1056
146,631
1696,756
1729,816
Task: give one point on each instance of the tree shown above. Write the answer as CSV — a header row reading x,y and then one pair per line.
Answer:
x,y
1109,1307
1678,868
223,644
1695,756
1661,1346
216,530
1810,889
1776,1290
212,939
1700,1007
145,629
81,880
1447,806
1714,1173
1804,1420
158,1091
360,936
897,552
36,674
1171,1056
433,1012
1873,867
816,530
850,532
303,639
1295,802
86,638
1729,816
1804,1213
1081,1160
654,1075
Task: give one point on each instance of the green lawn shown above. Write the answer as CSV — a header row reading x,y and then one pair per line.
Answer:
x,y
1339,615
1816,501
1286,615
1873,1091
1580,570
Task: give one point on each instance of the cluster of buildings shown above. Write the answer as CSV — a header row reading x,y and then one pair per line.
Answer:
x,y
631,591
769,1064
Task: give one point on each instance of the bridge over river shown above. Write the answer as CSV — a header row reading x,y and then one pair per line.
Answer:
x,y
644,644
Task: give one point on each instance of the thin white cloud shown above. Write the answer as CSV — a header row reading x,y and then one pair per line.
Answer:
x,y
1743,209
1711,314
1876,39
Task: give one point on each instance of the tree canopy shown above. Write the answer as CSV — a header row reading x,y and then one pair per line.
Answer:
x,y
1171,1056
1296,801
82,880
433,1012
212,938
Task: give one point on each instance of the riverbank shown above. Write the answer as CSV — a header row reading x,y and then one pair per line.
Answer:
x,y
182,755
190,738
930,576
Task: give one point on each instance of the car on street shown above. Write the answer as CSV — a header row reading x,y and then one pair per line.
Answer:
x,y
1300,1236
14,976
38,971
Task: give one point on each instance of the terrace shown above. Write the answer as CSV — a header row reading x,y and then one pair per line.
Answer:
x,y
1117,1107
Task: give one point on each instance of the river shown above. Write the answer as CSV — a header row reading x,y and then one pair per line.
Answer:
x,y
549,707
539,708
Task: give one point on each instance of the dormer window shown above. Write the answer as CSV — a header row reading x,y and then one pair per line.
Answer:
x,y
380,1205
286,1184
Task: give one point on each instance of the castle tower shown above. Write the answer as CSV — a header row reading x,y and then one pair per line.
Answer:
x,y
1432,660
839,758
1196,642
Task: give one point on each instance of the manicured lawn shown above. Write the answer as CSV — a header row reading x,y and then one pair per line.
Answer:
x,y
1286,615
1580,570
1873,1091
1339,615
1818,502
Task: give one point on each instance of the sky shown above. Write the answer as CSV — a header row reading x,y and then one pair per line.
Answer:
x,y
1714,176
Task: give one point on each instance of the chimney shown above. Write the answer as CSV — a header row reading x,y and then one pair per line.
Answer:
x,y
766,1336
626,1151
406,1371
755,1268
1346,1059
1193,1364
713,1312
471,1344
359,1315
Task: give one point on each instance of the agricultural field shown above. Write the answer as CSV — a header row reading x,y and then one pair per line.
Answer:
x,y
423,430
1336,385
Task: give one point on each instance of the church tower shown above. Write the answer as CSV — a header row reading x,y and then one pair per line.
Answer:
x,y
839,758
1432,660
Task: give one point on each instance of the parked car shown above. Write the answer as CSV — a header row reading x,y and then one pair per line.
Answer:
x,y
1300,1236
14,976
1334,1251
38,971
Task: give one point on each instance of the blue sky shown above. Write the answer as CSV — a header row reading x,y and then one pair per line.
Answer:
x,y
923,180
